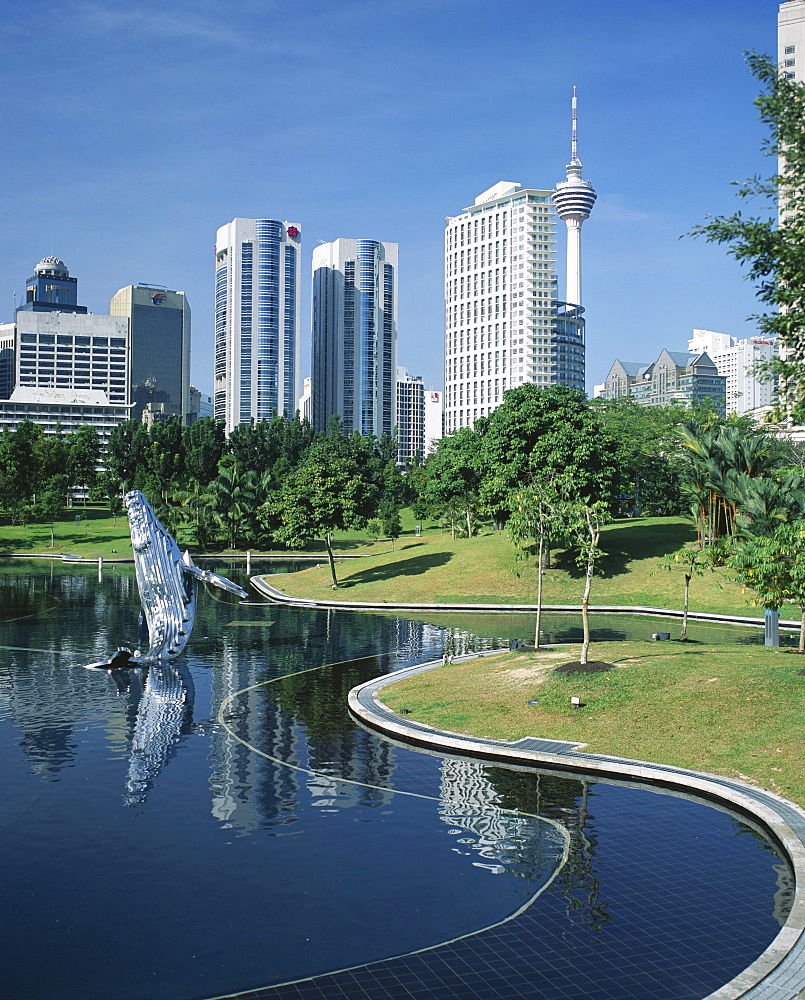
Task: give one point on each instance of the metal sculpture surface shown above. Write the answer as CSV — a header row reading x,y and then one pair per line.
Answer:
x,y
166,580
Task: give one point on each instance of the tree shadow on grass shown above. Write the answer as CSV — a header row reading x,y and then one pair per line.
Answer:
x,y
412,566
624,543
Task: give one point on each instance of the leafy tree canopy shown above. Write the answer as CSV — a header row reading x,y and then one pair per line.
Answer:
x,y
547,435
773,253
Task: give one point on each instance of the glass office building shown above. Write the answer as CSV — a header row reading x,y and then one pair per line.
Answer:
x,y
159,330
256,320
355,335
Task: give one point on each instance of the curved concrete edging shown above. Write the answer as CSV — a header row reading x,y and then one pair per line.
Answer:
x,y
273,594
779,972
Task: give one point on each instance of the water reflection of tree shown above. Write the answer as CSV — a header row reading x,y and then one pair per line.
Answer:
x,y
566,800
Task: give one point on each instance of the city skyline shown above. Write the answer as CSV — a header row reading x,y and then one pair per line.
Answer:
x,y
129,146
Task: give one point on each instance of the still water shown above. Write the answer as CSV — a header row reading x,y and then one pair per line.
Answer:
x,y
184,833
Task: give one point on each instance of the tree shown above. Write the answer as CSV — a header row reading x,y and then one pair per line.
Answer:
x,y
583,521
774,568
204,443
49,504
649,453
333,489
773,253
453,478
721,456
693,561
390,521
235,500
127,454
549,435
21,457
83,457
533,515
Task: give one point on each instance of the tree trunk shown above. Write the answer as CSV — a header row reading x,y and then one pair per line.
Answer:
x,y
469,524
802,633
327,540
594,535
685,610
539,590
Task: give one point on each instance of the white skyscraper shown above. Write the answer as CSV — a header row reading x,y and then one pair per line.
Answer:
x,y
791,39
747,392
355,335
503,323
574,199
257,320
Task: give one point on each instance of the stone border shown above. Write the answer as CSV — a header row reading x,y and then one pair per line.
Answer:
x,y
779,972
273,594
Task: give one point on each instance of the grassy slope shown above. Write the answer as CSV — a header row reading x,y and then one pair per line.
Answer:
x,y
435,569
736,711
97,534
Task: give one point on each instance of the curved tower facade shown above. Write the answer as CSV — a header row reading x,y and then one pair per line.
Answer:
x,y
574,199
355,335
257,320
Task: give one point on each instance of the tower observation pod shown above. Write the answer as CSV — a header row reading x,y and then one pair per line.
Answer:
x,y
574,199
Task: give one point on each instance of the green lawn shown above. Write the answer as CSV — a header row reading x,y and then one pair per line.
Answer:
x,y
97,533
732,710
436,569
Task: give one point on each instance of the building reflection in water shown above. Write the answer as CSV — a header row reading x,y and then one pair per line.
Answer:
x,y
499,839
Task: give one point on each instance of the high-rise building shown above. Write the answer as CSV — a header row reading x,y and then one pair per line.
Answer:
x,y
355,335
410,416
791,39
159,328
67,351
70,368
257,320
51,289
7,354
434,419
747,391
503,322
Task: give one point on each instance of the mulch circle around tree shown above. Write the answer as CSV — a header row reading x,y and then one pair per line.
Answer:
x,y
577,667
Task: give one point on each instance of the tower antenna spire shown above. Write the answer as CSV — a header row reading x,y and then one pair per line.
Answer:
x,y
573,144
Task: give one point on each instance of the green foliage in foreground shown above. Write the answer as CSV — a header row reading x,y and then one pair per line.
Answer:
x,y
732,710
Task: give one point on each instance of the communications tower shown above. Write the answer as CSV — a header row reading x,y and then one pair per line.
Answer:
x,y
574,199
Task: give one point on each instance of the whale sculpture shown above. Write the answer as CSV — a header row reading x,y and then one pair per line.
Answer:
x,y
166,580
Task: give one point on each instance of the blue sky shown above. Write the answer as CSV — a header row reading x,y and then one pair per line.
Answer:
x,y
133,131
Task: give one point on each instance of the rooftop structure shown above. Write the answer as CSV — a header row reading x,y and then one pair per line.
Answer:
x,y
51,289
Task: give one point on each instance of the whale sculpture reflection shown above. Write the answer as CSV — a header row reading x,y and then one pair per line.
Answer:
x,y
163,714
166,580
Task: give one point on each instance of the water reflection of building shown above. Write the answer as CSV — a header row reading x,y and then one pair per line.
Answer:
x,y
503,840
46,691
250,790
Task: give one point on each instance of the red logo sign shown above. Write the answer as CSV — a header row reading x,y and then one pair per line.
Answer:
x,y
293,232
